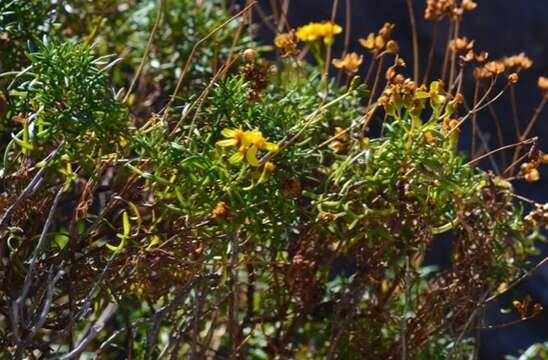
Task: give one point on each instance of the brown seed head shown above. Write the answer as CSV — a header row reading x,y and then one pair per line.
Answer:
x,y
468,5
461,44
543,83
249,54
495,67
532,175
392,47
519,62
513,78
221,211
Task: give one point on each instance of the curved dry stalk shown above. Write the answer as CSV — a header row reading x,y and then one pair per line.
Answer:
x,y
16,311
530,126
431,52
524,142
33,185
146,51
415,41
191,56
95,329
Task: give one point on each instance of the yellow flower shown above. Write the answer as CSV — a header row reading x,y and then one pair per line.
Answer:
x,y
248,144
350,63
314,31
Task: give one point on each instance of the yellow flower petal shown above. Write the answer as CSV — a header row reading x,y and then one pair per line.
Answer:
x,y
271,147
236,158
227,142
368,43
228,133
379,42
251,156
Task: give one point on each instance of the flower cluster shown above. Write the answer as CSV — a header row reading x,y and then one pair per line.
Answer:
x,y
287,43
248,144
315,31
518,62
538,215
438,9
461,44
529,170
515,63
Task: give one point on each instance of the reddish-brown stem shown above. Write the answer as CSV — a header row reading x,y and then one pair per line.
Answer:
x,y
500,136
453,58
530,125
474,119
446,56
415,40
376,82
347,29
431,52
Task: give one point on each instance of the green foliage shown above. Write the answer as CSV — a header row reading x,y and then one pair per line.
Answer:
x,y
67,92
21,23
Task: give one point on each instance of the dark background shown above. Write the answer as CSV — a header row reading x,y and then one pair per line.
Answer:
x,y
500,27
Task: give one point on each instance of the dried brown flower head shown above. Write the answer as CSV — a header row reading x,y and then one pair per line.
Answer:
x,y
221,211
350,63
392,47
468,5
249,54
513,78
495,67
437,9
519,62
257,75
489,70
543,83
461,44
287,43
292,186
386,31
538,215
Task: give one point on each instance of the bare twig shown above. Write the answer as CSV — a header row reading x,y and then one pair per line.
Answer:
x,y
191,56
415,40
33,185
147,50
95,329
28,277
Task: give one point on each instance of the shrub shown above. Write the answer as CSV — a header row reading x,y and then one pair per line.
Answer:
x,y
222,204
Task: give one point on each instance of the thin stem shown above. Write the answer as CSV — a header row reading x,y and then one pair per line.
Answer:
x,y
532,123
415,40
474,118
453,58
527,141
347,29
146,51
446,56
375,83
167,107
431,52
